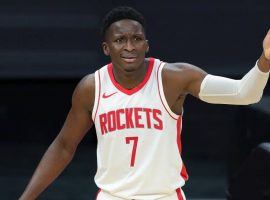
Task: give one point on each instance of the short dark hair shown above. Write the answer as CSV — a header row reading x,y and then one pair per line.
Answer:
x,y
119,13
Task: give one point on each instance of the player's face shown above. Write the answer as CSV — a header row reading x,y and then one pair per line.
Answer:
x,y
126,44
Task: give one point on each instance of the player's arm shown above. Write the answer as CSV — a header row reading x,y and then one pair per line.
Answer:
x,y
62,149
221,90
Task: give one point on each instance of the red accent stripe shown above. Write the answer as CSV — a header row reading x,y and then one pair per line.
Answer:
x,y
99,190
179,194
138,87
183,172
99,92
160,94
179,129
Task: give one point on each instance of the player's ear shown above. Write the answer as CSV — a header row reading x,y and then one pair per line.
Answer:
x,y
106,49
147,46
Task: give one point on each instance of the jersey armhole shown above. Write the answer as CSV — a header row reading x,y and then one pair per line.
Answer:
x,y
97,95
161,92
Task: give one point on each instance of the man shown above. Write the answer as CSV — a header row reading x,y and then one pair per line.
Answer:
x,y
136,106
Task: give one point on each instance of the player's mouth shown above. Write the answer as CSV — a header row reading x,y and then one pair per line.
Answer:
x,y
129,59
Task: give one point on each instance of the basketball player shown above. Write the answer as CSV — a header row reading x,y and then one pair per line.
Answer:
x,y
136,106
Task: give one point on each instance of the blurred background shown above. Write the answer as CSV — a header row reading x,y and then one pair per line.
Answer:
x,y
46,47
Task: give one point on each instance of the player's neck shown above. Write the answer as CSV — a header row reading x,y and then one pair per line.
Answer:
x,y
130,79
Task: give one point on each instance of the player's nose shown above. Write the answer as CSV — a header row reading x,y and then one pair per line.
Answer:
x,y
129,46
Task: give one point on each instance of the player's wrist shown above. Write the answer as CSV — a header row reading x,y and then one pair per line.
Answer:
x,y
264,63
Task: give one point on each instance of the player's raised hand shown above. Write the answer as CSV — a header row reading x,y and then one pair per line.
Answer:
x,y
266,46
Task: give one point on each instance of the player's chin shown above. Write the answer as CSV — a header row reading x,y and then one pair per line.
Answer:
x,y
130,67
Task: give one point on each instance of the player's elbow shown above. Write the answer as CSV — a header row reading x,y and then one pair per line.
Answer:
x,y
250,98
256,99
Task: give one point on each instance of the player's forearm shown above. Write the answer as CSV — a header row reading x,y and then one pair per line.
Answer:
x,y
51,165
221,90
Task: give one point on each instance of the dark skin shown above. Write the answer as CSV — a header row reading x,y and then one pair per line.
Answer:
x,y
126,44
127,37
122,42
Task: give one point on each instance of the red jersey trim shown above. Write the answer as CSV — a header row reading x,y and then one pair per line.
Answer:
x,y
183,172
179,194
160,93
138,87
99,92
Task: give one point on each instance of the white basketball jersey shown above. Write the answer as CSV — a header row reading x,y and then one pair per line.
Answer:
x,y
139,144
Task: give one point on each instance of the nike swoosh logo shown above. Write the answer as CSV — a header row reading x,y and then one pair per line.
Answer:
x,y
107,96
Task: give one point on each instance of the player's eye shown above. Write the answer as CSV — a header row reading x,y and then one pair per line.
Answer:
x,y
119,40
138,38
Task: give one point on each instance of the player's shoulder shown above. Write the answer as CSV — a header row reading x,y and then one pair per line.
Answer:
x,y
180,74
87,82
84,92
172,71
182,69
179,67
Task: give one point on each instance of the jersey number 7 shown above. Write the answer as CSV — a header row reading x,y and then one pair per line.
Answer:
x,y
134,148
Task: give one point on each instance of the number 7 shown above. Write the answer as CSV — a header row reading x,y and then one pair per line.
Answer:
x,y
134,149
